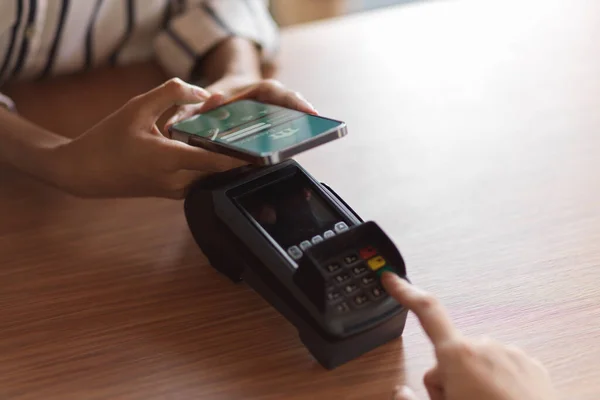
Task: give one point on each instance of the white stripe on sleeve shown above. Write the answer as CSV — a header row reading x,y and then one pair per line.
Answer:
x,y
149,15
8,10
173,57
17,41
70,55
187,38
268,31
109,29
249,19
41,50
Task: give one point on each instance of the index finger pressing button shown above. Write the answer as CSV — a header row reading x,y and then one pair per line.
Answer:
x,y
431,314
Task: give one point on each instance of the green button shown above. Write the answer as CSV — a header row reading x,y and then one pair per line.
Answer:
x,y
386,268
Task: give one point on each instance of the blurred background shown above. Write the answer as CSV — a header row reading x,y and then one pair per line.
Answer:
x,y
290,12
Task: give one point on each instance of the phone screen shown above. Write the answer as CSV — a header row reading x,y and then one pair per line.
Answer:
x,y
256,127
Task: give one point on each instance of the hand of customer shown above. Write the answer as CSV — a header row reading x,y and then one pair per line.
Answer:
x,y
126,155
466,368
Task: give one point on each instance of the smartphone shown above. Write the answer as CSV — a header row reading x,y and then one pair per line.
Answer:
x,y
256,132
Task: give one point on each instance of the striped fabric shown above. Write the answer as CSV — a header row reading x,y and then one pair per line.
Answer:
x,y
42,38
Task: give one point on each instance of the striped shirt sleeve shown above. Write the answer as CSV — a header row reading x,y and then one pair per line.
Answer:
x,y
190,35
9,12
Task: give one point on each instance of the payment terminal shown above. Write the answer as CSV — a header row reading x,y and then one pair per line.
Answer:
x,y
302,248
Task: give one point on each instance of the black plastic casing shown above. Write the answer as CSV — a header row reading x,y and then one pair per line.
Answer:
x,y
239,249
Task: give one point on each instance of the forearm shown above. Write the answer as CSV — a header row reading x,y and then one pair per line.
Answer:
x,y
29,148
233,57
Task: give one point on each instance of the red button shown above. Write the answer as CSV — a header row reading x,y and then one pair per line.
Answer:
x,y
367,253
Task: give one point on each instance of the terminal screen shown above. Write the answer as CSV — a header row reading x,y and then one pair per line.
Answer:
x,y
291,211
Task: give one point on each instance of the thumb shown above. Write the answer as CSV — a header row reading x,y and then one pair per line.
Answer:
x,y
173,92
404,393
215,100
188,111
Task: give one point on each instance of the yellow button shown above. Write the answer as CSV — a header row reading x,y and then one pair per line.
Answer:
x,y
376,262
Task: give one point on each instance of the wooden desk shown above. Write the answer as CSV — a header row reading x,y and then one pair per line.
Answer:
x,y
474,141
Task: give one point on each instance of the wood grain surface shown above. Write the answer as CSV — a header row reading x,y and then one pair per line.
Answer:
x,y
474,136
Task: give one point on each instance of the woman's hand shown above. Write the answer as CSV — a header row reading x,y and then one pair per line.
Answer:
x,y
466,368
232,88
126,155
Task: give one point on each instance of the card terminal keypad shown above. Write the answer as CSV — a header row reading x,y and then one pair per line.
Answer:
x,y
354,279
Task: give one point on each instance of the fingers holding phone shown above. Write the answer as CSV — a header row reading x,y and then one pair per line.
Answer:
x,y
126,155
468,368
232,89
